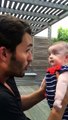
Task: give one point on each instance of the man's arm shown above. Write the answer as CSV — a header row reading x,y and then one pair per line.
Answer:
x,y
32,99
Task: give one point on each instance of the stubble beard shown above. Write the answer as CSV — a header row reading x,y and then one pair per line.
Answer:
x,y
15,68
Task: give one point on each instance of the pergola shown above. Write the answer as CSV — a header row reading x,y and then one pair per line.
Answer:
x,y
40,14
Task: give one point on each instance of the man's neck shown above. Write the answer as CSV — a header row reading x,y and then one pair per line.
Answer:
x,y
3,79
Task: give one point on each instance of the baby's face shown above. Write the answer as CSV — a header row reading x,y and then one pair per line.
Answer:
x,y
56,55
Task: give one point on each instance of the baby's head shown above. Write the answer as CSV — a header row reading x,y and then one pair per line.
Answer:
x,y
58,53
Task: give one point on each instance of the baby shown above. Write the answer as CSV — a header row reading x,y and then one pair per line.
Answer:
x,y
57,76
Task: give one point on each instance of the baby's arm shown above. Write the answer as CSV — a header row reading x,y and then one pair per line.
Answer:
x,y
61,89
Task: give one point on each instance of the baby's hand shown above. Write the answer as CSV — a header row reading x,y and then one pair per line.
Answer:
x,y
58,104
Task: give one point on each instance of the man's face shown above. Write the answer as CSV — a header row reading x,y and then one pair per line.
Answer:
x,y
22,57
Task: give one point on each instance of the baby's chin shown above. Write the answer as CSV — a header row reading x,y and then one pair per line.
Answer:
x,y
52,64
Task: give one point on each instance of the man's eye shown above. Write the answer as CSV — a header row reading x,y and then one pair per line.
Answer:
x,y
29,50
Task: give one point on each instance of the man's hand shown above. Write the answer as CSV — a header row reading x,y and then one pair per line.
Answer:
x,y
43,86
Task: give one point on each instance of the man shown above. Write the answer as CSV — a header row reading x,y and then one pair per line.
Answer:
x,y
15,57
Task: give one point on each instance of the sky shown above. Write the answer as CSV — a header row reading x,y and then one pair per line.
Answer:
x,y
62,23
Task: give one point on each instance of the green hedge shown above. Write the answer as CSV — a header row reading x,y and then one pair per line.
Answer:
x,y
62,35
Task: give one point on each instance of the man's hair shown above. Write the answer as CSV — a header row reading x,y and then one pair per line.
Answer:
x,y
12,31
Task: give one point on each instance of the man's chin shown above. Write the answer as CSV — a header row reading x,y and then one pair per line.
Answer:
x,y
20,75
23,74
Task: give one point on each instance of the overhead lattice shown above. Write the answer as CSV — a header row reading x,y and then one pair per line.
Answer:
x,y
38,13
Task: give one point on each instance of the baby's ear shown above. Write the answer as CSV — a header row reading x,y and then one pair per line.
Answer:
x,y
66,58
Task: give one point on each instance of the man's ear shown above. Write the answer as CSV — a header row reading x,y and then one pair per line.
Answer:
x,y
3,54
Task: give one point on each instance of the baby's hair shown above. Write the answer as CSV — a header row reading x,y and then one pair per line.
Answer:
x,y
63,46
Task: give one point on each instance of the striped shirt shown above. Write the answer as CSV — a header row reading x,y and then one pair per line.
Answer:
x,y
51,82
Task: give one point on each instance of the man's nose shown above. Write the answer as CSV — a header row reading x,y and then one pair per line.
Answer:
x,y
30,56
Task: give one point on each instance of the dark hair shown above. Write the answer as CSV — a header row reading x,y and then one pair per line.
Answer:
x,y
12,31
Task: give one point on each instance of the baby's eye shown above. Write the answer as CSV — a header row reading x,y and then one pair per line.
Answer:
x,y
55,52
49,53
